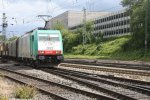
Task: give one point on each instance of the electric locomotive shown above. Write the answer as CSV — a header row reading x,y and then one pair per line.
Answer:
x,y
36,47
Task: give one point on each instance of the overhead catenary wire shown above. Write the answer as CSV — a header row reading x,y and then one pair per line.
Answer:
x,y
23,20
90,6
3,4
76,4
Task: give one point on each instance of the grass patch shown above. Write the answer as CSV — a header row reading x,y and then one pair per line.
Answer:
x,y
85,56
3,97
25,92
109,49
113,46
130,55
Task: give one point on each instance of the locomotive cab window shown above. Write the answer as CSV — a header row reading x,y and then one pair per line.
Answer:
x,y
44,38
54,38
51,37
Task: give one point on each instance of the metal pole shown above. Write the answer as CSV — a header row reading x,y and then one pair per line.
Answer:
x,y
84,26
146,26
4,26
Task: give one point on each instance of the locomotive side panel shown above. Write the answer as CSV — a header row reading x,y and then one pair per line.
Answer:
x,y
33,45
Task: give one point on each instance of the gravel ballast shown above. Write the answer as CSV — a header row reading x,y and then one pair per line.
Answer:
x,y
9,87
47,76
54,78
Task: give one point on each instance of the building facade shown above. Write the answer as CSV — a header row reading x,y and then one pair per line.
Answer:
x,y
113,24
110,24
72,18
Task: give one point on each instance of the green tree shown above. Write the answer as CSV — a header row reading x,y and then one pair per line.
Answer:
x,y
137,12
89,29
99,37
12,38
1,37
79,33
59,26
70,39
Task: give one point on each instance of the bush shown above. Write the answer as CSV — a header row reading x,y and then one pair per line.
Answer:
x,y
1,75
25,92
3,97
129,55
112,46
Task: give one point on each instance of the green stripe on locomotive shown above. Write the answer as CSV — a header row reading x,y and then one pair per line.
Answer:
x,y
33,44
34,40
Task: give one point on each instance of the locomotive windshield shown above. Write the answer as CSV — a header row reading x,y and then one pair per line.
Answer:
x,y
51,37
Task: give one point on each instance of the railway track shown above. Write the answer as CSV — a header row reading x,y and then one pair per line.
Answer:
x,y
111,77
124,80
90,80
59,91
107,69
116,81
95,83
116,64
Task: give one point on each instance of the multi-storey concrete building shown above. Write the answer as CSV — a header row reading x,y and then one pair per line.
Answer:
x,y
72,18
110,24
113,24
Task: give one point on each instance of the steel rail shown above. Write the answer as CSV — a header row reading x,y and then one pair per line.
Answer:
x,y
139,83
120,79
92,85
106,69
101,62
89,94
69,74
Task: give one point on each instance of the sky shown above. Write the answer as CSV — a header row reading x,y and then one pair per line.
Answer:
x,y
22,14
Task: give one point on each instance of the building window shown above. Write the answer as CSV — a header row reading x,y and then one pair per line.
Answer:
x,y
125,30
121,23
128,30
101,20
121,15
117,16
117,31
128,21
121,31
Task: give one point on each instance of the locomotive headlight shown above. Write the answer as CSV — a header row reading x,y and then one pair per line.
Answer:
x,y
41,52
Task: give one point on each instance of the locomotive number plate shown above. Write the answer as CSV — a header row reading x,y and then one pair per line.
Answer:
x,y
49,48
